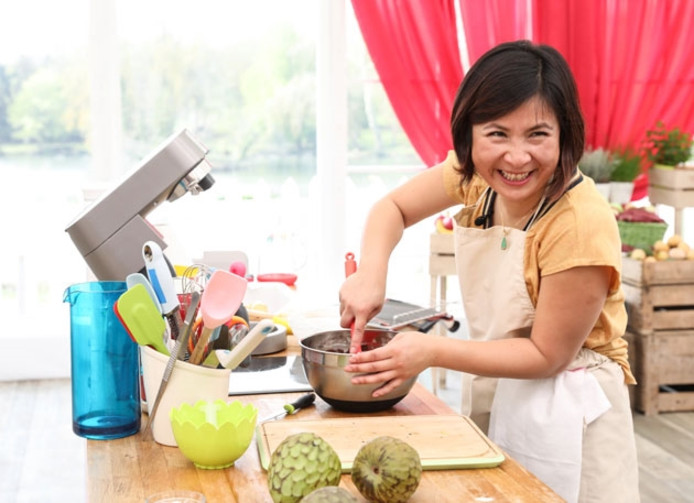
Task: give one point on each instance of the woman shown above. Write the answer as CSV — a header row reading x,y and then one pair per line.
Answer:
x,y
538,258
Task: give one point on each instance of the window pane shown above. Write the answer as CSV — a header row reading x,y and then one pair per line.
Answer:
x,y
44,110
375,135
240,75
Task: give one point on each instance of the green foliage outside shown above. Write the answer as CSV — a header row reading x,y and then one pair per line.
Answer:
x,y
252,104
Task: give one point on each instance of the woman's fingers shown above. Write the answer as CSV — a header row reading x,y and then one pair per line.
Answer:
x,y
372,368
367,361
389,380
387,388
356,336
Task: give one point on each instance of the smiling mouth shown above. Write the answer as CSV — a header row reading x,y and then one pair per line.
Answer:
x,y
514,177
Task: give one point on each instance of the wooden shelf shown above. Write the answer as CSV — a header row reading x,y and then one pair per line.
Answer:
x,y
441,265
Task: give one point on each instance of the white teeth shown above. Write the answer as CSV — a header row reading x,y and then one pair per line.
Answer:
x,y
514,177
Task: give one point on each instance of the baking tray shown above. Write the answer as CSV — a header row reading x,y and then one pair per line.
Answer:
x,y
443,442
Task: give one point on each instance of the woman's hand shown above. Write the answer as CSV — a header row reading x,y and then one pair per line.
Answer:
x,y
361,298
363,293
405,356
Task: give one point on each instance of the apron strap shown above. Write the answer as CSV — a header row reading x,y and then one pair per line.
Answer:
x,y
485,219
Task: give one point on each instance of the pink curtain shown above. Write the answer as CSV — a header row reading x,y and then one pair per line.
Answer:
x,y
414,47
492,22
633,61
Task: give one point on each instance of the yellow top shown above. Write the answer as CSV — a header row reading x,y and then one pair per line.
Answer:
x,y
579,230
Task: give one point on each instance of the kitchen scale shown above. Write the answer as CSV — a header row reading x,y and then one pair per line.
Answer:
x,y
269,374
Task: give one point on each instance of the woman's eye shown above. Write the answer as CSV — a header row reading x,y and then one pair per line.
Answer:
x,y
497,134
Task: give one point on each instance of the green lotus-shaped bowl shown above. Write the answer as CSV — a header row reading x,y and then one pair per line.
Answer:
x,y
215,434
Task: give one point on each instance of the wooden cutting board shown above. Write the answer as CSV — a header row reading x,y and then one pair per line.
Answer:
x,y
443,442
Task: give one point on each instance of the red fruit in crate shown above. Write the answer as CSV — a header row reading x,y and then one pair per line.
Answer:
x,y
639,215
444,224
238,268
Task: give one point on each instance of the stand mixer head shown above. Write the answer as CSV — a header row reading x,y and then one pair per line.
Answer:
x,y
110,232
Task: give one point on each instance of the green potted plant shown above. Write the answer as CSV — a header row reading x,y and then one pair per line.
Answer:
x,y
667,148
668,179
627,166
598,165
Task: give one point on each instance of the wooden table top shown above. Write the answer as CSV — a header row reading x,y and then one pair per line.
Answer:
x,y
129,469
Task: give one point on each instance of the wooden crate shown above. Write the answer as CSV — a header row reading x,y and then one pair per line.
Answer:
x,y
663,363
659,295
660,305
629,337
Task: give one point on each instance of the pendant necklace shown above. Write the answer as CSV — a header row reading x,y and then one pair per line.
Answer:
x,y
507,230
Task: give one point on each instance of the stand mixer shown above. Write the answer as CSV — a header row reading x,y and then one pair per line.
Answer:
x,y
110,232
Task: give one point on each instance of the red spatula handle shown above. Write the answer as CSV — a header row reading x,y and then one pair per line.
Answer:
x,y
350,268
350,264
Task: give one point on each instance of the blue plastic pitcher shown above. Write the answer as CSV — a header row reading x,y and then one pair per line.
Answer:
x,y
105,363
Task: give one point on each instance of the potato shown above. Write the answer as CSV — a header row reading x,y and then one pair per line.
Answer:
x,y
674,240
660,246
661,255
677,254
638,254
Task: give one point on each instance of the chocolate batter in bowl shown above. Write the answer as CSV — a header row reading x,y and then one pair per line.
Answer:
x,y
324,356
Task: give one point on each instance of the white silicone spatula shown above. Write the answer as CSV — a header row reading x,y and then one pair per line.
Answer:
x,y
221,299
232,359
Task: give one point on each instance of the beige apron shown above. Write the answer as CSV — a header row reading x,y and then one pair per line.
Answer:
x,y
513,411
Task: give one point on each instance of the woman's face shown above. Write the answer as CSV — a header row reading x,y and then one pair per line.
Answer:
x,y
517,154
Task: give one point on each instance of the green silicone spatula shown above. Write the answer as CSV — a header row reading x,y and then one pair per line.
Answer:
x,y
140,316
221,299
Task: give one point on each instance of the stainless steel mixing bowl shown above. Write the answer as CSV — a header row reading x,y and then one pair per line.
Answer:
x,y
325,355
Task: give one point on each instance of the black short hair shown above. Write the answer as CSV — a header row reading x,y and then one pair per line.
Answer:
x,y
504,78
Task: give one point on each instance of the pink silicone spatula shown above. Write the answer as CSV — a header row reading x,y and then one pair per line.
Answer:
x,y
221,299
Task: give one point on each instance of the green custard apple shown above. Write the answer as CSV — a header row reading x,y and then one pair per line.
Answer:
x,y
387,470
300,464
